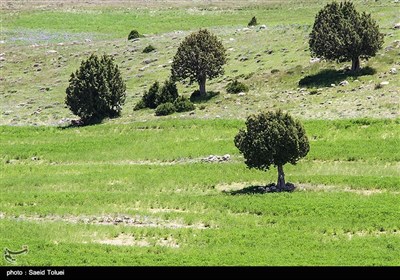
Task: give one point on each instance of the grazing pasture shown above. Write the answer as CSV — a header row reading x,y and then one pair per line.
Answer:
x,y
142,190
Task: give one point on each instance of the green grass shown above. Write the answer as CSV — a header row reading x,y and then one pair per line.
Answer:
x,y
150,170
54,179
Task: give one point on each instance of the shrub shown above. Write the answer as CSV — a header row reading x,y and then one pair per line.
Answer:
x,y
133,35
149,97
236,87
140,105
148,49
167,93
182,104
96,90
165,109
252,22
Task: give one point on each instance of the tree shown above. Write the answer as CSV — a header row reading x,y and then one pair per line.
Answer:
x,y
96,90
272,138
341,33
200,56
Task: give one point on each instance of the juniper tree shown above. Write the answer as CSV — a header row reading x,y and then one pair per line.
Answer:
x,y
199,57
272,138
341,33
96,90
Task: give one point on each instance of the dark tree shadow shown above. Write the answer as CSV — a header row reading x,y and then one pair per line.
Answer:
x,y
197,98
80,123
262,189
327,77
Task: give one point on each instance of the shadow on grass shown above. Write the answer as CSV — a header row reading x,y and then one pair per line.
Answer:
x,y
80,123
197,98
262,189
327,77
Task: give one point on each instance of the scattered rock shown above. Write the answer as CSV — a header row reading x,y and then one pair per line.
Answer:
x,y
149,60
263,26
315,60
88,40
396,26
344,83
213,158
51,51
393,71
241,94
246,29
269,51
243,58
2,58
333,85
384,83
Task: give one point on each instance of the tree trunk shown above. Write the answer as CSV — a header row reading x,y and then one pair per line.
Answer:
x,y
202,86
355,64
281,178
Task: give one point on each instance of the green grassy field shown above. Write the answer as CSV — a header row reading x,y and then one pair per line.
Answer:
x,y
136,190
58,185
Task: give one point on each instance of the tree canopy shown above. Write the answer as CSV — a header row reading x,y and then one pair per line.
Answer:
x,y
272,138
96,90
341,33
199,57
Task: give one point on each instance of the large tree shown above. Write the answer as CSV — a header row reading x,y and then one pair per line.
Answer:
x,y
341,33
272,138
96,90
199,57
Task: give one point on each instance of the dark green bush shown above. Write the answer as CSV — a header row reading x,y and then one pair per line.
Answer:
x,y
165,109
148,49
96,90
133,35
236,87
140,105
252,22
167,93
182,104
150,96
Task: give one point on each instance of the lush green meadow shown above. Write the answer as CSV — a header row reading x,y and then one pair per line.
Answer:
x,y
57,184
136,190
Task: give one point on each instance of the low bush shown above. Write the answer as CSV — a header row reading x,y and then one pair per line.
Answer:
x,y
182,104
149,49
133,35
165,109
236,87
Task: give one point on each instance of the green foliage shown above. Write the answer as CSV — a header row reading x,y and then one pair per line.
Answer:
x,y
134,34
150,97
236,87
199,57
167,93
157,95
341,33
165,109
272,138
139,106
182,104
252,22
96,90
149,49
